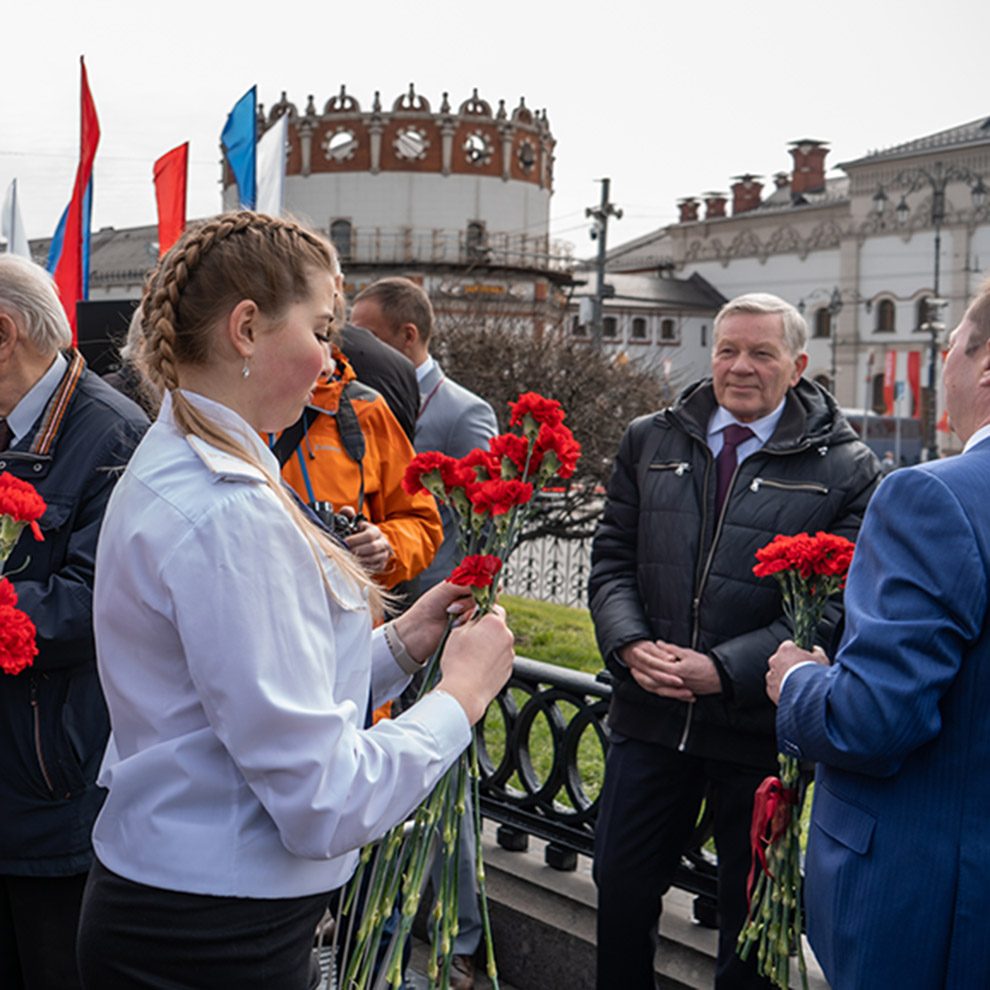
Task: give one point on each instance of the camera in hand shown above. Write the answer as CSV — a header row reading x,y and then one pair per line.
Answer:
x,y
338,523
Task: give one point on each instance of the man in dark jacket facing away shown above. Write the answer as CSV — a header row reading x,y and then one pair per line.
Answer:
x,y
686,627
70,435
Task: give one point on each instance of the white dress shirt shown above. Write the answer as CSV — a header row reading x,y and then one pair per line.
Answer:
x,y
238,687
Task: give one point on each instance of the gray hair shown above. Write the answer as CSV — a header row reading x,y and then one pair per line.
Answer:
x,y
136,333
27,291
795,327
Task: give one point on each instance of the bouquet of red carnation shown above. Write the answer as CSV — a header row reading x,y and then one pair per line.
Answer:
x,y
491,492
20,506
810,569
491,495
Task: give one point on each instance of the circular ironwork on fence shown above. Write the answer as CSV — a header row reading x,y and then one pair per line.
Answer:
x,y
539,758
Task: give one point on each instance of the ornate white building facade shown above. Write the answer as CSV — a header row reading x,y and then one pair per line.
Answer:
x,y
856,253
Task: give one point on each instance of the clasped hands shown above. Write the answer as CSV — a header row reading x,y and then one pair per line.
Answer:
x,y
669,670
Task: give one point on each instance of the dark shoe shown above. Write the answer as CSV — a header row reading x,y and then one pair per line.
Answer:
x,y
462,973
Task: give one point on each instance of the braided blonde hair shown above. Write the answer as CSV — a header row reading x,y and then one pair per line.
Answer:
x,y
203,276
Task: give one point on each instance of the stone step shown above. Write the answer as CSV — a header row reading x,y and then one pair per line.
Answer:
x,y
543,922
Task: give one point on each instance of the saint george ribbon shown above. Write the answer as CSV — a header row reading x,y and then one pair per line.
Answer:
x,y
772,806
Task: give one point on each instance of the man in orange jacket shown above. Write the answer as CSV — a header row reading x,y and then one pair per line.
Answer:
x,y
400,533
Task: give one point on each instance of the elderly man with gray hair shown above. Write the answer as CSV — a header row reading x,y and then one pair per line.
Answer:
x,y
69,434
685,626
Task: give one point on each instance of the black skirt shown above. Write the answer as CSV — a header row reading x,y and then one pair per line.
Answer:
x,y
134,936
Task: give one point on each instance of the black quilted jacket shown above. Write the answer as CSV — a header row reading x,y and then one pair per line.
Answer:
x,y
664,566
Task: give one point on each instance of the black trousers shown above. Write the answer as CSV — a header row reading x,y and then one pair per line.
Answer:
x,y
142,938
649,805
38,921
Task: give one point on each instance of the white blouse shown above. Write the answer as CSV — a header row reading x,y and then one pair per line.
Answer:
x,y
238,687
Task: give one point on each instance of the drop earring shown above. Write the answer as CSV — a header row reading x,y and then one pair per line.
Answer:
x,y
245,371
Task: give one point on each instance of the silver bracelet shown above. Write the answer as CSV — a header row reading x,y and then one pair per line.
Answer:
x,y
399,652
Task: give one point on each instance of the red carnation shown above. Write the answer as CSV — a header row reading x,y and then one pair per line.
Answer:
x,y
432,471
545,412
559,441
478,570
483,463
17,633
20,501
8,597
513,450
824,554
498,497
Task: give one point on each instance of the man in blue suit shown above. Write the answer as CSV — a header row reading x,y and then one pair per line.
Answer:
x,y
898,866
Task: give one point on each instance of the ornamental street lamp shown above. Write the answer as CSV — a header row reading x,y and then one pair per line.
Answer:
x,y
834,307
937,180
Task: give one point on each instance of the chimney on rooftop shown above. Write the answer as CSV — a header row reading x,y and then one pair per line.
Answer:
x,y
809,166
689,209
782,179
745,193
715,205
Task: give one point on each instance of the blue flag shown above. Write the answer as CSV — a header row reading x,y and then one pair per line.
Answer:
x,y
239,139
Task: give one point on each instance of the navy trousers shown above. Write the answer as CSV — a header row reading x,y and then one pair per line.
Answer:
x,y
650,803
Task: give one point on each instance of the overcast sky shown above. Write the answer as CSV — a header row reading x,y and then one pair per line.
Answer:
x,y
667,100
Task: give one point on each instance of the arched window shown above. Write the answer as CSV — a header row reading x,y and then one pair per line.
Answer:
x,y
668,331
340,234
638,328
886,315
823,323
610,327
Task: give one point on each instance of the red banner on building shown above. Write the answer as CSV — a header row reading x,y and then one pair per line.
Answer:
x,y
914,381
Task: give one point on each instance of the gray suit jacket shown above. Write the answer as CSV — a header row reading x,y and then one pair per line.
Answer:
x,y
455,422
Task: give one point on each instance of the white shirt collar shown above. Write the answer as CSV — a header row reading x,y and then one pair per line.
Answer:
x,y
763,427
221,463
32,404
422,370
981,434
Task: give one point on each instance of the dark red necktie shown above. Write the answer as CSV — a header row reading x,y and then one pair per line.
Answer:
x,y
6,435
726,462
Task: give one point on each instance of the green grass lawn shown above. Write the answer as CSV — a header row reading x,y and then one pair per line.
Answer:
x,y
558,635
553,633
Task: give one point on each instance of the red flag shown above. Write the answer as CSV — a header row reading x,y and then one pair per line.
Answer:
x,y
69,277
889,376
170,194
914,380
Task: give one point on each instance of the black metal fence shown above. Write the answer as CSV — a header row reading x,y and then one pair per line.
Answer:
x,y
542,748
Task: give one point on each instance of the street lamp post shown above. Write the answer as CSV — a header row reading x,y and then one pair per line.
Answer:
x,y
834,308
937,180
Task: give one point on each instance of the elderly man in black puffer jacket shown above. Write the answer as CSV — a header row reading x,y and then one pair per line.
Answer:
x,y
687,628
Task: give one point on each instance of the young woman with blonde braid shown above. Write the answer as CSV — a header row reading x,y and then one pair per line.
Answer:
x,y
236,648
